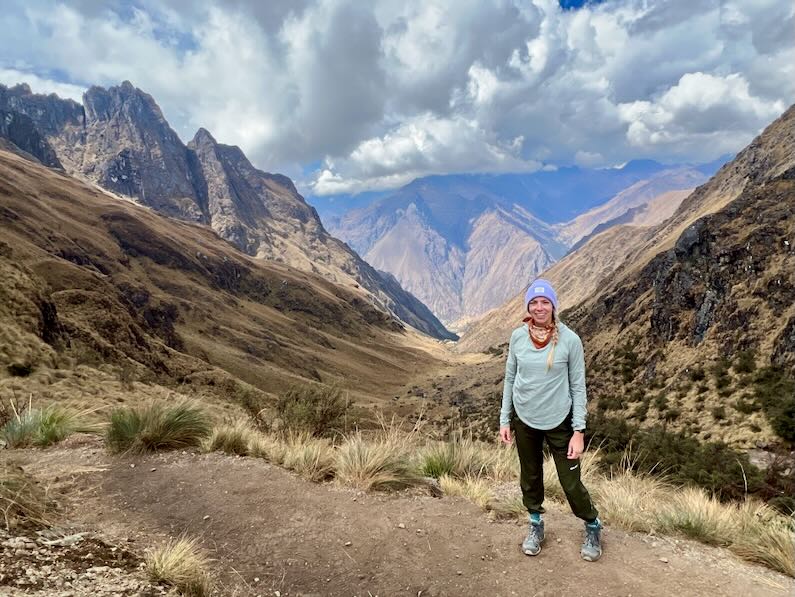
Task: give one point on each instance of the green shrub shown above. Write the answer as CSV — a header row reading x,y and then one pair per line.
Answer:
x,y
156,427
45,426
745,362
774,389
317,409
684,460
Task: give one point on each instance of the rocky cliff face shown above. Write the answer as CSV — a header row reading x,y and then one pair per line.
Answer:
x,y
120,140
21,132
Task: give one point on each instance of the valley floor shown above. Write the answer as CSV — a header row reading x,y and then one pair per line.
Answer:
x,y
272,533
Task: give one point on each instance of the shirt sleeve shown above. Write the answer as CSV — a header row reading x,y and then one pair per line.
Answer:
x,y
577,385
507,387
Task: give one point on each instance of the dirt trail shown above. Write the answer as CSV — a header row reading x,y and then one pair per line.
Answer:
x,y
270,531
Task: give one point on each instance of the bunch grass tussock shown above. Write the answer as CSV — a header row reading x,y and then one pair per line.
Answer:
x,y
309,456
22,499
765,537
630,500
156,427
381,463
180,563
237,437
45,426
693,513
462,456
476,489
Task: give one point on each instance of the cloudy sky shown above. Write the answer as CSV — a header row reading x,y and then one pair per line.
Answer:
x,y
349,95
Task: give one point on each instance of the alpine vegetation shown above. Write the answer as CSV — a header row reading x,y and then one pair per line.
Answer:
x,y
181,564
156,427
43,427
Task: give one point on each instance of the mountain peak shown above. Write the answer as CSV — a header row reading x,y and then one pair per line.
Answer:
x,y
202,137
104,104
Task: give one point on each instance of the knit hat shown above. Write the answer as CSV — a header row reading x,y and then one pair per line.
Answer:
x,y
541,287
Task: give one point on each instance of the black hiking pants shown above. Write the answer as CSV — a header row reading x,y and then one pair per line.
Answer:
x,y
530,445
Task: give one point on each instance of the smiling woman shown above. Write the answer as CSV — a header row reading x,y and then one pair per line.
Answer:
x,y
544,400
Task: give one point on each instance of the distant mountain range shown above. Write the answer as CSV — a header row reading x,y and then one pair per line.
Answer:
x,y
119,140
463,243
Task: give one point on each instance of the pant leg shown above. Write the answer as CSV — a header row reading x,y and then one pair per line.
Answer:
x,y
569,472
530,445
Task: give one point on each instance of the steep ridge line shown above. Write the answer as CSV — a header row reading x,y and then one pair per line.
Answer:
x,y
120,140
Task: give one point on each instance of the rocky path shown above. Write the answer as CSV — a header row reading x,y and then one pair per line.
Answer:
x,y
272,533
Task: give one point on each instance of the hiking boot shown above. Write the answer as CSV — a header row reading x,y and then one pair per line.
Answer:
x,y
592,546
531,546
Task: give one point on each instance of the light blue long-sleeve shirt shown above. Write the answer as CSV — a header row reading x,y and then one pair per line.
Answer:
x,y
542,398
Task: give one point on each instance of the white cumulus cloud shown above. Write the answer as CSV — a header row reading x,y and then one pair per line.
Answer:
x,y
368,95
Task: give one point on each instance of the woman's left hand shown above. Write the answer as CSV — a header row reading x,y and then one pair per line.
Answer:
x,y
576,445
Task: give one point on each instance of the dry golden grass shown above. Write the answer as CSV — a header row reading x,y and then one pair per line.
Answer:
x,y
507,507
693,513
238,437
382,463
765,537
476,489
506,464
181,564
309,456
22,499
630,501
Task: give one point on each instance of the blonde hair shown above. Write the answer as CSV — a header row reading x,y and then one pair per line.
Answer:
x,y
554,341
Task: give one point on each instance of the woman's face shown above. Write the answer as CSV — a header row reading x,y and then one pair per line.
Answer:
x,y
540,310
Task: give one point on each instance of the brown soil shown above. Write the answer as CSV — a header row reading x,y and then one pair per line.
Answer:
x,y
270,531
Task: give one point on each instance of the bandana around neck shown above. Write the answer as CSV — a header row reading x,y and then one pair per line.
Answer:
x,y
540,335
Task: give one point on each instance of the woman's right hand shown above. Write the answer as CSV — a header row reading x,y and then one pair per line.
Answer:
x,y
505,434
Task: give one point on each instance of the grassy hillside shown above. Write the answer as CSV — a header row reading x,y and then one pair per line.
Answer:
x,y
132,296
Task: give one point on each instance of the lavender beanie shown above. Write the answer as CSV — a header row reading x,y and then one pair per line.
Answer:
x,y
541,287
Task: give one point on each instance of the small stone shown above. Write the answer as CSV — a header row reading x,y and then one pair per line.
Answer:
x,y
256,579
206,517
558,540
152,470
401,526
132,465
458,572
664,560
348,544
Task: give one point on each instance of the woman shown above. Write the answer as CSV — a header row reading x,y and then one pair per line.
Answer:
x,y
543,398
